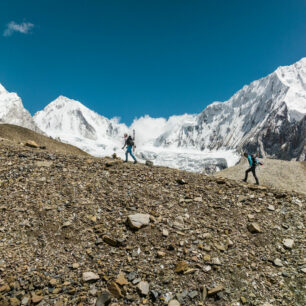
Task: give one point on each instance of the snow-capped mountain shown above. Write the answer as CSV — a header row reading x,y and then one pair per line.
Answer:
x,y
13,112
72,122
268,116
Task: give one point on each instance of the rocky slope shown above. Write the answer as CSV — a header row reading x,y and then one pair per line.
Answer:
x,y
290,176
18,135
13,112
65,239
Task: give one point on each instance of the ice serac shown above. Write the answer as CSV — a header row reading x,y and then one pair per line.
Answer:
x,y
12,111
76,124
268,116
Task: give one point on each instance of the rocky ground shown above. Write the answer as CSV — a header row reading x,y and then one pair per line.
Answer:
x,y
77,230
20,135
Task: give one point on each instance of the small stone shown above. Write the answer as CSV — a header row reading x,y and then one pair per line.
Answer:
x,y
14,301
31,144
193,294
165,232
243,300
271,208
161,254
149,163
174,303
131,276
143,288
181,182
138,221
110,241
277,262
121,280
251,217
285,274
303,270
36,298
25,300
288,243
5,288
67,224
254,228
103,298
53,282
220,247
136,281
181,267
207,268
154,295
207,236
198,199
75,265
57,290
216,261
230,243
207,258
215,290
115,290
90,276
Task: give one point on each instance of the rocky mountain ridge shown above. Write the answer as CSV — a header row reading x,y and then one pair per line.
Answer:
x,y
12,111
268,116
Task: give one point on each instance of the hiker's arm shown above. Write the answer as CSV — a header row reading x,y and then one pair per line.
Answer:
x,y
124,145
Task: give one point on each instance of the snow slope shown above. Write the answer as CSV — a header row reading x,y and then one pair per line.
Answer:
x,y
73,123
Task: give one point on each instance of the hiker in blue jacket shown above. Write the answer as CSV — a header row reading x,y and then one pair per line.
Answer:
x,y
129,143
253,161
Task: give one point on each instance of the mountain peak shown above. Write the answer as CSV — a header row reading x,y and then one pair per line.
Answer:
x,y
2,89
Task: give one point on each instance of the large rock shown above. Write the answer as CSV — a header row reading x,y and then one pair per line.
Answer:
x,y
138,221
90,276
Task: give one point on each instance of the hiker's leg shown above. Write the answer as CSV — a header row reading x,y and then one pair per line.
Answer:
x,y
246,174
126,154
254,174
133,156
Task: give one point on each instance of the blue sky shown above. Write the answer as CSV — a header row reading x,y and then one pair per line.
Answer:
x,y
129,58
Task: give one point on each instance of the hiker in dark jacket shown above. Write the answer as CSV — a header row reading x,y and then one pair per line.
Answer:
x,y
253,161
129,144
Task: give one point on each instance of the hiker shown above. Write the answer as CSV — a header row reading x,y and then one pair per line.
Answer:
x,y
253,161
129,143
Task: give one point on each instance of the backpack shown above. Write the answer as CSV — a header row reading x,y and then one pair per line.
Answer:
x,y
130,141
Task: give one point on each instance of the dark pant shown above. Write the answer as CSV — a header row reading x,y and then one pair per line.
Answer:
x,y
254,174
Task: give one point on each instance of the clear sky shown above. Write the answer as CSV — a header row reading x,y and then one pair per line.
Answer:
x,y
129,58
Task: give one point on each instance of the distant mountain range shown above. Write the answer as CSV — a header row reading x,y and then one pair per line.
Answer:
x,y
268,116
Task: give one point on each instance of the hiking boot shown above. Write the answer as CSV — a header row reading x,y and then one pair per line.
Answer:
x,y
244,180
125,161
135,162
